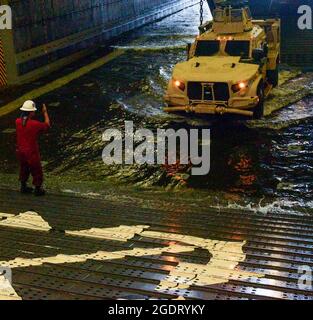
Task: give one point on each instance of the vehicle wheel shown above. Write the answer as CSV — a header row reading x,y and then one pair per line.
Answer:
x,y
259,109
273,76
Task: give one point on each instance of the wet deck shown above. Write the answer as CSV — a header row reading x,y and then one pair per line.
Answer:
x,y
68,247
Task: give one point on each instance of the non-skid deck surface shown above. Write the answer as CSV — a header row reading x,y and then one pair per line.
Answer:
x,y
66,247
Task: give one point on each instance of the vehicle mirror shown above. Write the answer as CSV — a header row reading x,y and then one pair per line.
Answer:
x,y
258,54
265,49
188,50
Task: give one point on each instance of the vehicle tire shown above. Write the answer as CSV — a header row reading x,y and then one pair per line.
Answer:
x,y
273,76
259,108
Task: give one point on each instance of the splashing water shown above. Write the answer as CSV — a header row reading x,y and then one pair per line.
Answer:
x,y
266,165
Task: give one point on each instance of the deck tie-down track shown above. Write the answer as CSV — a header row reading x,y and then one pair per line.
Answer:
x,y
66,247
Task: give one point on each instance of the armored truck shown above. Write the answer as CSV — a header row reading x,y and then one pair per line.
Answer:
x,y
231,67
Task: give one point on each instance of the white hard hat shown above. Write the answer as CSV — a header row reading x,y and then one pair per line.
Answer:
x,y
29,106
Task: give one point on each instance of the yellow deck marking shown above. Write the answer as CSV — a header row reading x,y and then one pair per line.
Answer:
x,y
58,83
6,215
222,267
99,256
121,233
27,220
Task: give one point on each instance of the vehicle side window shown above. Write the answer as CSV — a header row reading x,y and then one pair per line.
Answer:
x,y
219,15
249,15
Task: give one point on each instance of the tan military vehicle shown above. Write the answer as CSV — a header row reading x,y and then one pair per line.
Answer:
x,y
231,67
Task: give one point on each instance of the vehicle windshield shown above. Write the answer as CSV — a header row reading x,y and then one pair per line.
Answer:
x,y
207,48
236,16
238,49
218,15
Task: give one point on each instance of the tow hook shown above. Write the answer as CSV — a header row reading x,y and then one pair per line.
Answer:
x,y
220,110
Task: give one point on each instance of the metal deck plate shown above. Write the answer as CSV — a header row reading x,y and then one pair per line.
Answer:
x,y
62,247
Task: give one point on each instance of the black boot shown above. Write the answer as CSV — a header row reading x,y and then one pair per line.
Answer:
x,y
39,192
25,189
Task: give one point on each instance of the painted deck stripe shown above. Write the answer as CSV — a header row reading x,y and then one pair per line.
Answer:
x,y
3,76
58,83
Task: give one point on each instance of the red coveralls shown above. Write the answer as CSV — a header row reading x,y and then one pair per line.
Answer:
x,y
28,150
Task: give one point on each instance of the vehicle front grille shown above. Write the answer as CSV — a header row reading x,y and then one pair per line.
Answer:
x,y
208,91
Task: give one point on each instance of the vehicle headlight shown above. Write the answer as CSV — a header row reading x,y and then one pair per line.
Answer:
x,y
179,84
240,86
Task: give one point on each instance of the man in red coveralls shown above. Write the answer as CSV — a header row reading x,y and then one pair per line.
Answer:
x,y
28,131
